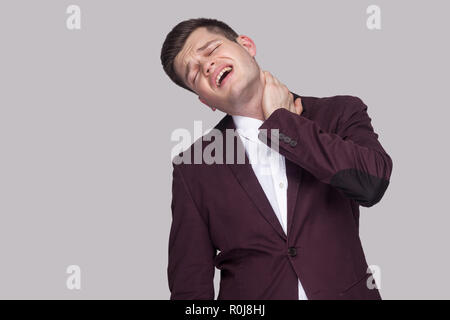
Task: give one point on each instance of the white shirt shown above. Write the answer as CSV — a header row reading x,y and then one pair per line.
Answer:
x,y
269,167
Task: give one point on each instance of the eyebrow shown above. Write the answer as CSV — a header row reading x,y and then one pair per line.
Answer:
x,y
206,45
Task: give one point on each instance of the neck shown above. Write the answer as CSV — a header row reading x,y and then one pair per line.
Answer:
x,y
251,103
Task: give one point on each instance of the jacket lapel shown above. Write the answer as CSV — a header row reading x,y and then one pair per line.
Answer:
x,y
249,182
247,179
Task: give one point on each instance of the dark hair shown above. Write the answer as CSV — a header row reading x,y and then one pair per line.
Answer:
x,y
176,38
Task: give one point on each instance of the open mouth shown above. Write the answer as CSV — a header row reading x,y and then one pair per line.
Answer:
x,y
223,75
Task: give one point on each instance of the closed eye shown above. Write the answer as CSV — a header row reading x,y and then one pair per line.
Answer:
x,y
213,50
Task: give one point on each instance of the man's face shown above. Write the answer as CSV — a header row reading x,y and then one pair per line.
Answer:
x,y
220,71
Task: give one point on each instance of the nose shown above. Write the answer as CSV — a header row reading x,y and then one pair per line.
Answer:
x,y
208,68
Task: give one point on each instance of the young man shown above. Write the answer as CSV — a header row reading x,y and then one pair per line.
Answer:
x,y
289,234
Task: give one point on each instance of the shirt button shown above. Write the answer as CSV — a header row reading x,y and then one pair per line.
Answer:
x,y
281,185
292,251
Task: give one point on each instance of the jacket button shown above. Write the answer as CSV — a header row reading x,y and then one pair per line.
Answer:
x,y
293,143
287,139
292,251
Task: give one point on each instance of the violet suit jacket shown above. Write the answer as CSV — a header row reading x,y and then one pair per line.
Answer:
x,y
222,218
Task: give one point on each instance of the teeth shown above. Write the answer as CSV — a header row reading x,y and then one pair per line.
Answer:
x,y
221,73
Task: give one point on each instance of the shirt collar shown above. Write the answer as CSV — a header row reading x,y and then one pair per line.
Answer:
x,y
247,127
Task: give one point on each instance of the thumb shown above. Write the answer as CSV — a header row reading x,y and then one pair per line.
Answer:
x,y
298,105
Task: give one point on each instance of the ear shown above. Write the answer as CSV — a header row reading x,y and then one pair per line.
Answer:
x,y
212,108
248,44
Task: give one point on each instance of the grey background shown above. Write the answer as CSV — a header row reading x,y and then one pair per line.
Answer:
x,y
86,118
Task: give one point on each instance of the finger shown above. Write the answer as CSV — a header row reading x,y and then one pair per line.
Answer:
x,y
269,77
298,106
291,107
294,108
263,75
290,100
276,81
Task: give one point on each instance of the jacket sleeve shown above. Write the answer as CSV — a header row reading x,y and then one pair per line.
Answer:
x,y
191,253
351,160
